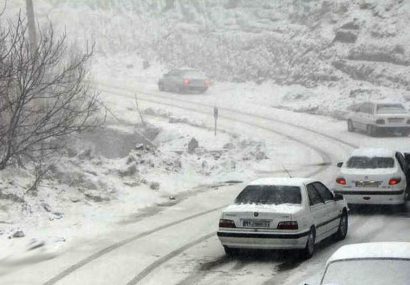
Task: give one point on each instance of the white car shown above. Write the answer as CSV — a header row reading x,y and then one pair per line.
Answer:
x,y
377,263
372,117
283,213
373,176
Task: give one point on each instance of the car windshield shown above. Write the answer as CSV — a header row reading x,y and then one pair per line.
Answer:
x,y
390,109
269,194
363,162
368,271
193,74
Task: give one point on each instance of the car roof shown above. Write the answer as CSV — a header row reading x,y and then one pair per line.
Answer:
x,y
387,102
372,250
371,152
185,69
285,181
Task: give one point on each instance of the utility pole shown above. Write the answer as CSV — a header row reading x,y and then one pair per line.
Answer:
x,y
31,24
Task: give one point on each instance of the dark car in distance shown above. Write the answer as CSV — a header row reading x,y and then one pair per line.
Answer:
x,y
184,81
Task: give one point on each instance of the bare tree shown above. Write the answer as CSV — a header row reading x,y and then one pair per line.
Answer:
x,y
44,95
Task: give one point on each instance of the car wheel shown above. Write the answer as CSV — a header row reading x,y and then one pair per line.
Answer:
x,y
371,130
309,249
350,127
231,251
343,227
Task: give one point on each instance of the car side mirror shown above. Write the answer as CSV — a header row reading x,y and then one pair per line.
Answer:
x,y
338,197
339,164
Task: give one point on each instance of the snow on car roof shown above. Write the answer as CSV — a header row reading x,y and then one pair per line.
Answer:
x,y
372,152
285,181
372,250
381,102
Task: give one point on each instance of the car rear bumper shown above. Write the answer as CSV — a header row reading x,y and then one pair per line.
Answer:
x,y
257,240
388,197
394,128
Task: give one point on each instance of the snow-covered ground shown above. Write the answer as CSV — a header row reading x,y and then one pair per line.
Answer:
x,y
108,177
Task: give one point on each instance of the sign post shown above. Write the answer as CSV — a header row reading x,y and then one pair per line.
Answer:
x,y
216,118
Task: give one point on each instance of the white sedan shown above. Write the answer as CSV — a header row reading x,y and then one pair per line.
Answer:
x,y
374,116
283,213
373,176
377,263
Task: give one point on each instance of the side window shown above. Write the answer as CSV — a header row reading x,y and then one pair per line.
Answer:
x,y
371,108
314,196
367,108
323,191
362,108
402,161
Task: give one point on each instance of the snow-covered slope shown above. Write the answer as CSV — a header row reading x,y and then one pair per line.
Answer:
x,y
357,50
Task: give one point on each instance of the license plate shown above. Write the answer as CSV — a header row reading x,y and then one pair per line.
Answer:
x,y
395,120
256,223
367,183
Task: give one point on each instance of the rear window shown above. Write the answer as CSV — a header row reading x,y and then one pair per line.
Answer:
x,y
390,109
363,162
269,194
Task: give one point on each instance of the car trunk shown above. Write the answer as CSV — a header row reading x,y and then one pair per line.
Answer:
x,y
368,178
251,216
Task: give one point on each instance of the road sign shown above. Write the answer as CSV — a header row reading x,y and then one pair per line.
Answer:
x,y
216,118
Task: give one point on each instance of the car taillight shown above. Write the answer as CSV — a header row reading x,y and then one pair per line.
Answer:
x,y
380,121
223,223
288,225
207,83
187,82
394,181
341,181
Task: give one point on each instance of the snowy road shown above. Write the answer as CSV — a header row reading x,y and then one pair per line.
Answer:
x,y
178,244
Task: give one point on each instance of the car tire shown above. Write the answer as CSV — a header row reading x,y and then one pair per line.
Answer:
x,y
229,251
371,130
402,208
309,249
343,227
350,127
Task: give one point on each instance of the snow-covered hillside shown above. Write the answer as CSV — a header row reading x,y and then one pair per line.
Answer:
x,y
357,50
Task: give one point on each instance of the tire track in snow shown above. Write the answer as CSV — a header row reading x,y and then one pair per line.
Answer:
x,y
325,156
326,163
324,251
114,246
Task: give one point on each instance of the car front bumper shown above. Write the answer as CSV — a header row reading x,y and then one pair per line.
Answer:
x,y
387,197
263,240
